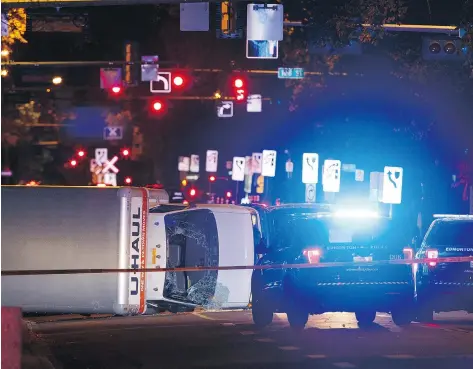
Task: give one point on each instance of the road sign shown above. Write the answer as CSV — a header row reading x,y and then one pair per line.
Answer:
x,y
110,179
149,68
264,22
113,133
257,161
110,77
109,165
269,163
310,192
331,175
254,104
248,166
291,73
195,163
359,175
194,17
310,168
101,156
392,185
212,161
225,109
162,85
184,164
238,168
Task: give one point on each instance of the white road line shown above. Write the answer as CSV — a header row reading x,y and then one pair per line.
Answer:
x,y
399,356
344,365
288,348
383,315
264,339
316,356
247,333
228,324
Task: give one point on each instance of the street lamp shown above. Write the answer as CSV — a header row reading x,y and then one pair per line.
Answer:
x,y
57,80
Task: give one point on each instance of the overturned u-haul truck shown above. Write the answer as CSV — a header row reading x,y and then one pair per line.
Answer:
x,y
66,228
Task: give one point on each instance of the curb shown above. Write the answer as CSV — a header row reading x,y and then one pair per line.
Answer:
x,y
36,353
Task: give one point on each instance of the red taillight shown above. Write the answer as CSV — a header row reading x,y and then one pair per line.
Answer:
x,y
408,253
432,254
313,255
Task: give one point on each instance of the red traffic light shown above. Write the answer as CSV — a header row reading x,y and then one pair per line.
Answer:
x,y
229,194
178,81
128,180
212,178
125,152
157,106
81,153
192,192
116,90
238,83
73,162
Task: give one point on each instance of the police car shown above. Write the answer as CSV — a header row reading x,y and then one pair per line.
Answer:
x,y
320,234
445,286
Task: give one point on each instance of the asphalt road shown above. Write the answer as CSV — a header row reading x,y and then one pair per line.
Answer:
x,y
229,340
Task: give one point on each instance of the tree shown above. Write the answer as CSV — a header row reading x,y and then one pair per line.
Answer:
x,y
23,132
16,31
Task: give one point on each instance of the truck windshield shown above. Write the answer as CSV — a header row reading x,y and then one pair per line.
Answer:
x,y
192,241
452,233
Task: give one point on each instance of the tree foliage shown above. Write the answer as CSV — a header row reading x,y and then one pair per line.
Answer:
x,y
16,28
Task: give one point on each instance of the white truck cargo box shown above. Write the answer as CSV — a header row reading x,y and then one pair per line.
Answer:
x,y
60,228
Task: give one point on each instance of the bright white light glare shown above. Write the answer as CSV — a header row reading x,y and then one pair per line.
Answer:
x,y
356,213
57,80
5,52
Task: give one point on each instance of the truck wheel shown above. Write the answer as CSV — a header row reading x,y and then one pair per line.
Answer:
x,y
402,317
262,314
297,317
365,317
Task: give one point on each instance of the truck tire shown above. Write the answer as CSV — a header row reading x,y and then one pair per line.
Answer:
x,y
365,317
262,314
402,317
297,317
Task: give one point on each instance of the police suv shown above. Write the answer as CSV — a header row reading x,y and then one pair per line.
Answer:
x,y
318,235
445,286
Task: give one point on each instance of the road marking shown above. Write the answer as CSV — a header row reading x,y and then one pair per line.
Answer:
x,y
247,333
288,348
316,356
344,365
200,315
264,339
228,324
399,356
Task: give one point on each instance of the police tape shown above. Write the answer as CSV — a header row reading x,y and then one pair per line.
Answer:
x,y
430,261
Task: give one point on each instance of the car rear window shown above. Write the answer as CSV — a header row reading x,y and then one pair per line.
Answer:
x,y
457,234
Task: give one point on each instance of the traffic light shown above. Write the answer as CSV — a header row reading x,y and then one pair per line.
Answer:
x,y
181,81
73,163
80,153
126,153
157,107
239,87
212,179
192,192
228,194
128,180
116,91
184,182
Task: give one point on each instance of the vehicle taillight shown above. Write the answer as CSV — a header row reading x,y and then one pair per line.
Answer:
x,y
313,255
408,253
432,254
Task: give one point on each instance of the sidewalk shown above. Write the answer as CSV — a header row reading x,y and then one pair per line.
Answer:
x,y
35,353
